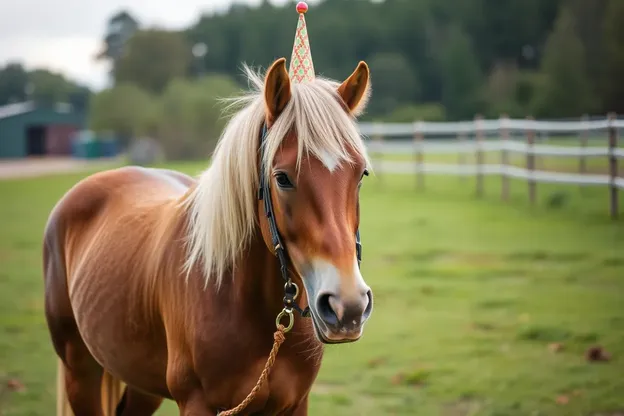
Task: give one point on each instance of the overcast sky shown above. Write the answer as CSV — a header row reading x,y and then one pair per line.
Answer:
x,y
64,35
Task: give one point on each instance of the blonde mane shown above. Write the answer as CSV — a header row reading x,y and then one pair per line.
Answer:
x,y
222,206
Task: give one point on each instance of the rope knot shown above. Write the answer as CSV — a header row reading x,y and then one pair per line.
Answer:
x,y
280,335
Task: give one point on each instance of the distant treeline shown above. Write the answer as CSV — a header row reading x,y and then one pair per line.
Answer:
x,y
430,60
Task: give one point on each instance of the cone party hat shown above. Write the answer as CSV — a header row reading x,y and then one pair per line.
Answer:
x,y
301,66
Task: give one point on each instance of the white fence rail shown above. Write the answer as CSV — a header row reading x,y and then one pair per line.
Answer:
x,y
504,127
465,127
512,146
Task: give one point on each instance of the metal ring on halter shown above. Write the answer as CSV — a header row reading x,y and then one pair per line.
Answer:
x,y
291,319
291,283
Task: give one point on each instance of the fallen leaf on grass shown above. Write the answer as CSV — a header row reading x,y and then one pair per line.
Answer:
x,y
563,400
597,353
15,385
555,347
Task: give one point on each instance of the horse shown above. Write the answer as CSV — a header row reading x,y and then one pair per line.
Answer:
x,y
163,286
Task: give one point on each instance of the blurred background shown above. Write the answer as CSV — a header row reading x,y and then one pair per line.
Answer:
x,y
491,228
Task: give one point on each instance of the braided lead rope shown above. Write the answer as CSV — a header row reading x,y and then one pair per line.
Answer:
x,y
279,336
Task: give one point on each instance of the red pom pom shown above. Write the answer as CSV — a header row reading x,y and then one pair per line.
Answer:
x,y
302,7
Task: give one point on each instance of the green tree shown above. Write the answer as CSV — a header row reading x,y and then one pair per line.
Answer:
x,y
393,80
153,58
461,76
566,90
48,88
614,45
13,82
190,118
411,113
125,110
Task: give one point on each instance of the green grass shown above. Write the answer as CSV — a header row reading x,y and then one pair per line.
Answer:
x,y
469,295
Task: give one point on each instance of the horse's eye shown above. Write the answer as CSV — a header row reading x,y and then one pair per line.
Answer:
x,y
365,173
282,181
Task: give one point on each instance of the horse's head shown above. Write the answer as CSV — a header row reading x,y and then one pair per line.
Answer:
x,y
315,179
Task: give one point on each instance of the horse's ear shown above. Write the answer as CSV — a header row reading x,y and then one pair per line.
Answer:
x,y
355,90
276,89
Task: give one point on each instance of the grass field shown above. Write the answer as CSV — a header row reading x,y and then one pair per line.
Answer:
x,y
470,296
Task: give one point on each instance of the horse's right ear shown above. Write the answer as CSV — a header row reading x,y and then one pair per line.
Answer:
x,y
276,89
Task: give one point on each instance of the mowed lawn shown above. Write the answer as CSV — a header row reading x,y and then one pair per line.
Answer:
x,y
482,308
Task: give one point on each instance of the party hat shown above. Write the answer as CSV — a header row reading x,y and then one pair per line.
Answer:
x,y
301,66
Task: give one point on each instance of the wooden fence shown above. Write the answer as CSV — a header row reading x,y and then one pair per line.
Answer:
x,y
501,135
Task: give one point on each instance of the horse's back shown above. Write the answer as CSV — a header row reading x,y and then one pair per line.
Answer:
x,y
108,196
131,184
95,246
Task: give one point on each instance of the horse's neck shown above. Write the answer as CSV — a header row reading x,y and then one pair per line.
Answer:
x,y
259,290
256,279
250,296
252,291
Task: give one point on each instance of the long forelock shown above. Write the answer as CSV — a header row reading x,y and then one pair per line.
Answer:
x,y
222,206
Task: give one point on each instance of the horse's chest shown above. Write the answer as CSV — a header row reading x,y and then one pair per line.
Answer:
x,y
284,393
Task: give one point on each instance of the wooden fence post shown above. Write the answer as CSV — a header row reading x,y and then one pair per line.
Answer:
x,y
504,132
479,153
613,165
530,137
420,159
583,139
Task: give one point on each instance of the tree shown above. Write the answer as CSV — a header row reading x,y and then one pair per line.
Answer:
x,y
49,88
589,24
125,109
393,80
13,83
121,27
190,119
614,45
566,90
153,58
461,76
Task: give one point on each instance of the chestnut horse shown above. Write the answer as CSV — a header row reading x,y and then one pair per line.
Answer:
x,y
171,287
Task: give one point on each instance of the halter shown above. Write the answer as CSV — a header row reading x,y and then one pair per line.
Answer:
x,y
290,288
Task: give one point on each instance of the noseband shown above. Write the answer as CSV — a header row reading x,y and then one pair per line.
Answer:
x,y
290,288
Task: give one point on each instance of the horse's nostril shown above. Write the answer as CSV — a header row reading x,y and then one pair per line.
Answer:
x,y
369,306
325,310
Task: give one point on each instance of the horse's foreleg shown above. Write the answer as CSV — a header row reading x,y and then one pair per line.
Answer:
x,y
82,382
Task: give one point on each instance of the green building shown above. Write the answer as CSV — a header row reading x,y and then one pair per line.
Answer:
x,y
27,129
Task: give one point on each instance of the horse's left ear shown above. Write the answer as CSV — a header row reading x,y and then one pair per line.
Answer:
x,y
276,89
355,90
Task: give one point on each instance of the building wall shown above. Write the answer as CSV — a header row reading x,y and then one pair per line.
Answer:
x,y
12,138
60,127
